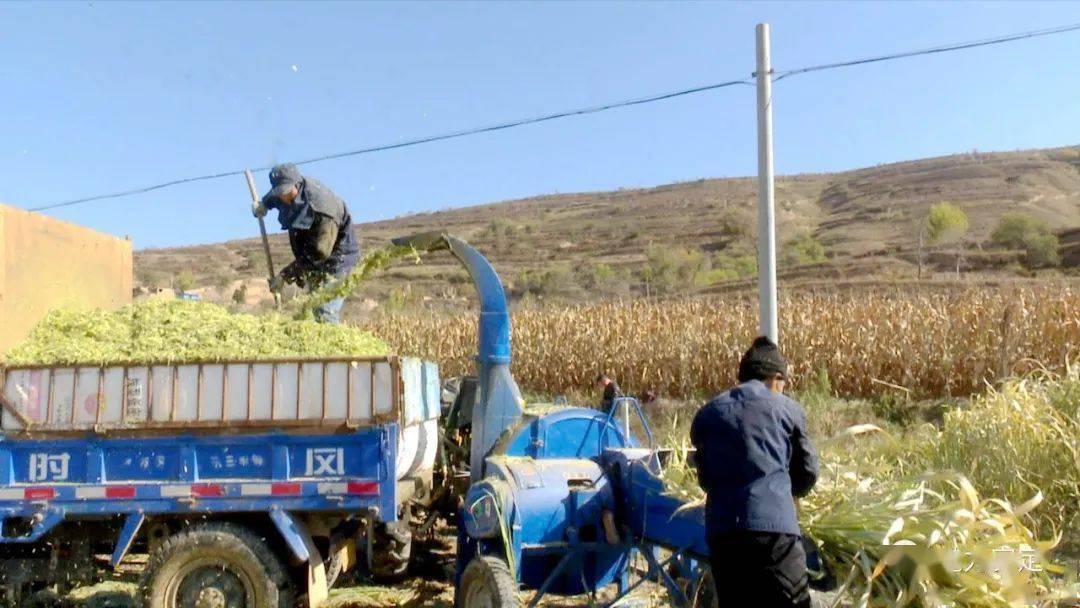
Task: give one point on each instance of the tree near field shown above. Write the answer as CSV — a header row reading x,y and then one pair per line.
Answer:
x,y
944,223
1016,230
185,280
1042,251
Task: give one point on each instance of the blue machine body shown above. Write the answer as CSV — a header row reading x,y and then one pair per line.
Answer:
x,y
545,493
649,513
551,482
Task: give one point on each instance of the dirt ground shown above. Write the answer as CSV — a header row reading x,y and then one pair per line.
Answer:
x,y
427,586
414,592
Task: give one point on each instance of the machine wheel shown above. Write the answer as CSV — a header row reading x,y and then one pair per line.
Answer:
x,y
488,583
44,599
389,547
332,562
705,595
215,565
333,568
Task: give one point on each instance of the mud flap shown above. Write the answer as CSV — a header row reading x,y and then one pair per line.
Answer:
x,y
303,548
127,535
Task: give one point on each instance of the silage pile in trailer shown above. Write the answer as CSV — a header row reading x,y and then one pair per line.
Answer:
x,y
166,331
901,519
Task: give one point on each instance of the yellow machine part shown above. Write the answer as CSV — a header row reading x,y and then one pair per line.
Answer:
x,y
46,263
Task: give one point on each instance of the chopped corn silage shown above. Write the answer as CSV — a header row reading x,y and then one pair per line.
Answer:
x,y
373,261
166,331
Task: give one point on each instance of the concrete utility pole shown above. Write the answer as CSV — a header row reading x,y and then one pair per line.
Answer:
x,y
766,213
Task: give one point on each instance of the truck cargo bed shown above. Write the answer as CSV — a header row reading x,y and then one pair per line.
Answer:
x,y
232,394
294,395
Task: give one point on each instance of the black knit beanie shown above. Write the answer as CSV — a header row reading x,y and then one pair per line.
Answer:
x,y
762,361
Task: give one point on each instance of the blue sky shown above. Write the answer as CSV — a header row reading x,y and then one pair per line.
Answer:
x,y
105,96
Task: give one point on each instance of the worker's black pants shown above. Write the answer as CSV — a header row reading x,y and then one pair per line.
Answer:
x,y
759,570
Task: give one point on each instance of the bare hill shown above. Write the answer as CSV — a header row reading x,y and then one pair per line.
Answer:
x,y
584,245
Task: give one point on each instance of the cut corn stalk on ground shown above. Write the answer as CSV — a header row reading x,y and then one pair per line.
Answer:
x,y
902,522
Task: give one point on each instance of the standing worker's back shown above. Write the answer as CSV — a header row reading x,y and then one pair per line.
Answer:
x,y
754,456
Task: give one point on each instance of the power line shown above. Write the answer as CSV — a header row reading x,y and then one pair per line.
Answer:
x,y
930,51
530,121
581,112
414,142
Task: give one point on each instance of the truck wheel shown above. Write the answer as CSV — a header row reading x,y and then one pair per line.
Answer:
x,y
389,547
215,565
488,583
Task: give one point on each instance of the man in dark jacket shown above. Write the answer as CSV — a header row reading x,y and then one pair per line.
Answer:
x,y
321,234
753,457
611,391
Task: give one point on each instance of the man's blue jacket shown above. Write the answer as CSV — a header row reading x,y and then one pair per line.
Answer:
x,y
753,456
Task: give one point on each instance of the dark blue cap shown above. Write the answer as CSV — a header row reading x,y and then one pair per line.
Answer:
x,y
286,173
282,178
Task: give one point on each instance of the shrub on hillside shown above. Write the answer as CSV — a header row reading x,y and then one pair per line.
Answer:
x,y
673,269
1032,235
804,249
729,267
553,281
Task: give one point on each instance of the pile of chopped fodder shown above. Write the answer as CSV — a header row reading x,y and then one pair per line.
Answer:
x,y
166,331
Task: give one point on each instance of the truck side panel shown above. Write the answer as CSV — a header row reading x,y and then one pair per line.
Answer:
x,y
334,472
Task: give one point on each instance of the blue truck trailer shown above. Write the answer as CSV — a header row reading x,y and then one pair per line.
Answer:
x,y
249,483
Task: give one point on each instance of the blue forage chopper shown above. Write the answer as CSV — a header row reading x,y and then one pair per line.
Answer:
x,y
561,498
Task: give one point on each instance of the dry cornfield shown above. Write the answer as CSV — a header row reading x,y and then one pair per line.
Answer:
x,y
929,343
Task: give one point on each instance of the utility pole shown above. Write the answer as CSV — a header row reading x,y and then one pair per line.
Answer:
x,y
766,213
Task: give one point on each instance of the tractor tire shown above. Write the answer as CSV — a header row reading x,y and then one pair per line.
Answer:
x,y
488,583
215,564
389,550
